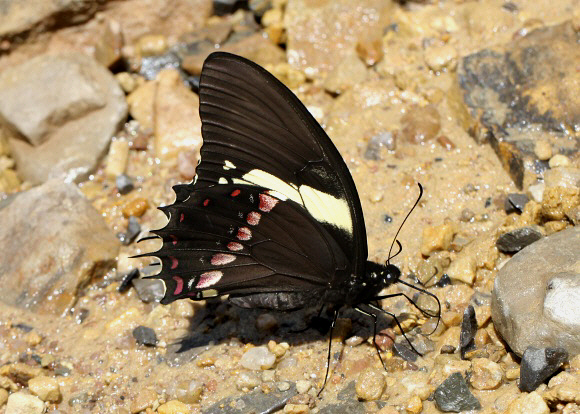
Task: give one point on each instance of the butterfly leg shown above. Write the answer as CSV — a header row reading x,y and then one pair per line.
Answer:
x,y
334,317
370,305
424,312
372,315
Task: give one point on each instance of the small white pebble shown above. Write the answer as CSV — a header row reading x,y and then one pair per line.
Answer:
x,y
117,159
283,386
247,380
543,150
302,386
559,160
20,402
258,358
537,191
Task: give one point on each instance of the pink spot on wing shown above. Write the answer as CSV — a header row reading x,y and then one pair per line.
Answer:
x,y
208,279
181,217
174,262
173,238
235,193
206,202
253,218
179,287
267,203
235,246
221,259
244,233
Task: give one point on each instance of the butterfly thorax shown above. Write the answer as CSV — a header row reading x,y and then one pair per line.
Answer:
x,y
363,288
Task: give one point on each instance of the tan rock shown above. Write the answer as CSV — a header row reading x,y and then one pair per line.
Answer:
x,y
485,374
441,57
370,384
436,238
144,398
22,403
531,403
45,388
463,269
173,407
141,103
349,72
117,158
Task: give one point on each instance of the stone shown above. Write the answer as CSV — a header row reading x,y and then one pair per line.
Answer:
x,y
71,245
485,374
133,230
559,160
382,139
3,396
463,268
73,106
143,399
258,357
254,401
539,364
420,124
441,57
436,238
189,392
515,203
135,207
173,407
177,122
370,384
454,395
322,33
108,47
247,381
468,331
348,73
149,290
145,336
124,184
22,403
515,240
140,103
45,388
534,293
117,158
531,403
522,93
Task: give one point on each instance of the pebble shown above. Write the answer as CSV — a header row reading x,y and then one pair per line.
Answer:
x,y
421,124
296,408
370,384
140,103
187,163
149,290
543,150
559,160
143,399
539,364
485,374
127,81
22,403
247,381
182,309
45,388
356,340
348,73
117,159
446,143
136,207
303,386
145,336
173,407
377,141
278,349
370,50
531,403
515,203
468,331
454,395
441,57
124,184
414,405
436,238
258,357
151,45
537,191
515,240
463,269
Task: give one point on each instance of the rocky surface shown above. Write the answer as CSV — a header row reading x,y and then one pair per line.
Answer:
x,y
536,292
402,88
59,113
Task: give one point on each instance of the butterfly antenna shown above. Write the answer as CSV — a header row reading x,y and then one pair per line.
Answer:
x,y
423,311
406,217
396,254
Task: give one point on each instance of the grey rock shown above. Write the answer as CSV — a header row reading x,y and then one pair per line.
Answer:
x,y
59,113
468,331
149,290
453,395
127,279
254,402
515,240
133,230
536,294
383,139
53,243
348,402
145,336
403,350
124,184
538,365
27,17
515,203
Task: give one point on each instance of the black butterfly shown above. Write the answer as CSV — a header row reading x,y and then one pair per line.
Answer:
x,y
272,218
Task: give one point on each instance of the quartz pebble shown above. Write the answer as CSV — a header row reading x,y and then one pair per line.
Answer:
x,y
302,386
143,399
485,374
258,358
22,403
189,392
247,381
543,150
173,407
531,403
436,238
117,160
370,384
559,160
45,388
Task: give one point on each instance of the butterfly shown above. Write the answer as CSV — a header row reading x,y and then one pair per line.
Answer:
x,y
272,218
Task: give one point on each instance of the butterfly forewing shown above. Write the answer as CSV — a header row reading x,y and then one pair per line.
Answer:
x,y
273,207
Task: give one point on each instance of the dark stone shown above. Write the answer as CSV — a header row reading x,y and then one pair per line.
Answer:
x,y
348,402
511,87
453,395
468,331
515,203
509,6
124,184
487,202
387,218
253,402
149,290
127,279
62,371
538,364
23,327
81,315
444,281
383,139
515,240
448,349
133,229
405,352
145,336
223,7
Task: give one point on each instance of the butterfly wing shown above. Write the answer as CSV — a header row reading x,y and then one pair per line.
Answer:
x,y
273,207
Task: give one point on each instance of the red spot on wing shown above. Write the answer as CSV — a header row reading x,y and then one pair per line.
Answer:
x,y
235,193
221,259
181,217
206,202
208,279
179,286
267,203
253,218
174,262
235,246
244,233
173,238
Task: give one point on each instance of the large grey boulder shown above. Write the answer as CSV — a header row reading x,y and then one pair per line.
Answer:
x,y
536,295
